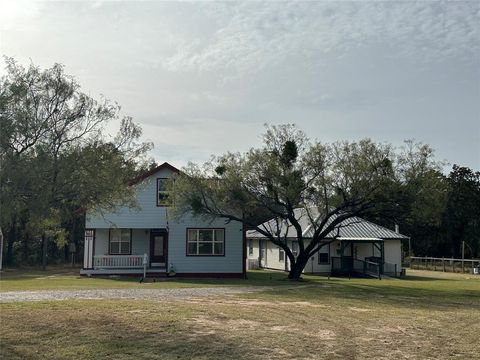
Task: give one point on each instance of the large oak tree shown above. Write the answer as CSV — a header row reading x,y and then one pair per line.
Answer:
x,y
330,182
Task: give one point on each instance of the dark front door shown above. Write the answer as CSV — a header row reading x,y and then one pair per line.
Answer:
x,y
158,248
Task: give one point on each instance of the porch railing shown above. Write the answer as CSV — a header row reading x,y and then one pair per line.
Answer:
x,y
349,266
372,269
117,261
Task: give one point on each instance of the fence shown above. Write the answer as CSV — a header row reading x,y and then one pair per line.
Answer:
x,y
444,264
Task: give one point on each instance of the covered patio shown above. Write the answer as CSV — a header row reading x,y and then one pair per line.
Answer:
x,y
354,259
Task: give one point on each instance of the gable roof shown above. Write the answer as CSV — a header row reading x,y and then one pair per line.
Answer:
x,y
354,228
145,175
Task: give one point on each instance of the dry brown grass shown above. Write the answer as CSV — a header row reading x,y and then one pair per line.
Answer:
x,y
338,319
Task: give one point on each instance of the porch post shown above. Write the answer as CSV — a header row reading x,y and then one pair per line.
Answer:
x,y
342,248
89,249
145,262
382,250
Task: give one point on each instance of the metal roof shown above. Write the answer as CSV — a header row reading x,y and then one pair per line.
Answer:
x,y
354,228
305,217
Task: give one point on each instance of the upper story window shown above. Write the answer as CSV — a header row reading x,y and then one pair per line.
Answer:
x,y
162,191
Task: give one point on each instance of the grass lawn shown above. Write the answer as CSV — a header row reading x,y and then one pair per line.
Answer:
x,y
65,278
425,316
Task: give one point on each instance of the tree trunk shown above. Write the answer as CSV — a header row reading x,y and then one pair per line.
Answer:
x,y
26,241
1,248
296,269
73,238
12,234
44,252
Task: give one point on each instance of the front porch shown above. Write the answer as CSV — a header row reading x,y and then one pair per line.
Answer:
x,y
118,251
123,265
356,260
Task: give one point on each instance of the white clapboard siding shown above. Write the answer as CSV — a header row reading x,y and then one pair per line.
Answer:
x,y
232,262
149,216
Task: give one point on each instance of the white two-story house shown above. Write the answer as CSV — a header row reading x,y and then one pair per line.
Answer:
x,y
147,238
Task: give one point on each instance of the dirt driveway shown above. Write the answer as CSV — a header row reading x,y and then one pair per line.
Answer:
x,y
145,294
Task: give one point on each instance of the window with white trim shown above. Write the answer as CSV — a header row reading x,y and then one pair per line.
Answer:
x,y
162,191
324,255
205,242
250,247
281,255
120,242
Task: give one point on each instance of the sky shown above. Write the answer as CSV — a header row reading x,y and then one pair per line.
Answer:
x,y
203,78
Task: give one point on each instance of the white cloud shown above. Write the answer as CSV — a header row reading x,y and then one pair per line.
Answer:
x,y
253,36
202,77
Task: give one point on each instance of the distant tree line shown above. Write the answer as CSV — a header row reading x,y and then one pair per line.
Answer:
x,y
439,212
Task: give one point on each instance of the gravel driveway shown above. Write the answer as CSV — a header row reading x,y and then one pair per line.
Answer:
x,y
147,294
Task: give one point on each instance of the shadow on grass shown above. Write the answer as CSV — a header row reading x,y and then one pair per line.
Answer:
x,y
451,294
112,336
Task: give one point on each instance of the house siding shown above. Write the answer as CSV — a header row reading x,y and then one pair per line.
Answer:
x,y
140,241
149,216
231,262
272,260
392,250
393,253
314,267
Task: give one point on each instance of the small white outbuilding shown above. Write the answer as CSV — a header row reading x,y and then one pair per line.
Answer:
x,y
356,246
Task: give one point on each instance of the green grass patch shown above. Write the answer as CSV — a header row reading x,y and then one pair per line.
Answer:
x,y
425,316
59,278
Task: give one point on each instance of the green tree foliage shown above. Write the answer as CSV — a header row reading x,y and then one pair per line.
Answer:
x,y
55,159
462,215
422,197
334,181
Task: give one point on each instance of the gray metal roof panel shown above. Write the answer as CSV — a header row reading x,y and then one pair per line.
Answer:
x,y
352,228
